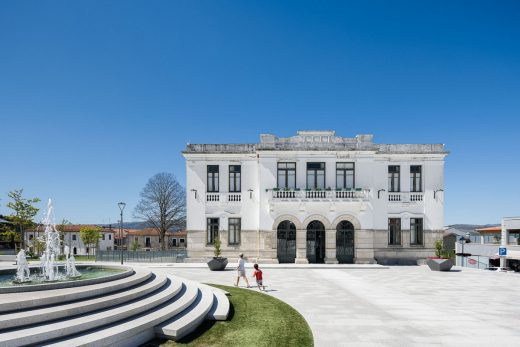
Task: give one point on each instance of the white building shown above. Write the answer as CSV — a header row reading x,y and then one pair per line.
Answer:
x,y
315,197
72,238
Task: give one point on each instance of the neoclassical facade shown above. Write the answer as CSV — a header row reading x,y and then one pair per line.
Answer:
x,y
315,198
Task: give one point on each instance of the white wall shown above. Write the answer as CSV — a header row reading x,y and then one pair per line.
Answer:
x,y
260,175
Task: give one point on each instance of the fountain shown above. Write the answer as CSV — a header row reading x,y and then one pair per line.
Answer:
x,y
23,273
48,260
70,266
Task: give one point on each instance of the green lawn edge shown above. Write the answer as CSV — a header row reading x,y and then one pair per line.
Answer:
x,y
255,319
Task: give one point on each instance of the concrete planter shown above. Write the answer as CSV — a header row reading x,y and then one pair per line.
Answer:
x,y
217,264
440,264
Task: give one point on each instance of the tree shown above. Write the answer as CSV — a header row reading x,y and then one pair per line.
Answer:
x,y
135,245
61,229
24,210
90,237
162,204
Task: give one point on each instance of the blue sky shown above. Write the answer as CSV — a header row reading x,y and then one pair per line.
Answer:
x,y
98,96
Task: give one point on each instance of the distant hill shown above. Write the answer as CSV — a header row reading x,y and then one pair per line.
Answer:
x,y
471,227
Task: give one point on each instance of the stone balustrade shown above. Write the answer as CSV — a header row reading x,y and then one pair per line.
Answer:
x,y
313,195
223,197
411,197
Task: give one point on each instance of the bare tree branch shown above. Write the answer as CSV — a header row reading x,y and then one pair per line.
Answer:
x,y
162,204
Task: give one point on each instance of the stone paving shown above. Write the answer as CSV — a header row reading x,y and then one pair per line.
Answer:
x,y
395,306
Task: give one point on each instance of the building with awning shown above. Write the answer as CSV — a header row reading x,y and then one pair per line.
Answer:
x,y
487,251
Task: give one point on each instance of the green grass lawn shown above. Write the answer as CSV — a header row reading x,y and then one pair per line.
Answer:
x,y
255,319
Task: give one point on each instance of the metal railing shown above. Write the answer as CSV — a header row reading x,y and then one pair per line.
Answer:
x,y
168,256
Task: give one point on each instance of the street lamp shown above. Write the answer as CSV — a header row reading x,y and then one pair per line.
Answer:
x,y
121,207
462,240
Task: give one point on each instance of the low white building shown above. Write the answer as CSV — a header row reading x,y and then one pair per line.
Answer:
x,y
72,238
315,197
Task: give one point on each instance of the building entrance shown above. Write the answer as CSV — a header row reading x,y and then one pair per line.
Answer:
x,y
286,244
315,242
345,242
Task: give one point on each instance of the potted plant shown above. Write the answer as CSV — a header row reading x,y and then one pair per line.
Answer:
x,y
217,263
442,260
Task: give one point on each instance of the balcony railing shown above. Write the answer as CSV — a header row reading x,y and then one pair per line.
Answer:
x,y
223,197
331,194
405,197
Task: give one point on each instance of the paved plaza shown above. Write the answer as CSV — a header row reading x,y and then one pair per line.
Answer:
x,y
395,306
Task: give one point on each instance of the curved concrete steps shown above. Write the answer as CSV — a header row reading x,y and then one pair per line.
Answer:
x,y
136,331
220,308
186,322
29,317
123,312
28,300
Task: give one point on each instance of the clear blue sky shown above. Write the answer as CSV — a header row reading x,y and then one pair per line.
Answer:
x,y
98,96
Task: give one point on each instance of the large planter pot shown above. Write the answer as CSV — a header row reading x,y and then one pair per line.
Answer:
x,y
217,264
440,264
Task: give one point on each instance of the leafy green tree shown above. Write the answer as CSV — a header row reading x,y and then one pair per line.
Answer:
x,y
61,229
135,245
24,211
90,237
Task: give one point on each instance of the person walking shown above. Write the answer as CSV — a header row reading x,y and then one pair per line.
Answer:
x,y
241,270
258,275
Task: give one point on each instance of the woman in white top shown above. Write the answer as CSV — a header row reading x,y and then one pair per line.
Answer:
x,y
241,269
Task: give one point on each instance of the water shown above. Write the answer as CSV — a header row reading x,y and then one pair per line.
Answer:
x,y
6,280
48,265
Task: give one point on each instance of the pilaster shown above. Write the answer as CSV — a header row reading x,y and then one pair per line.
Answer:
x,y
330,247
301,247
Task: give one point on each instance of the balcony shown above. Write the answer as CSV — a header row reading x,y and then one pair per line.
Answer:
x,y
398,197
217,198
358,194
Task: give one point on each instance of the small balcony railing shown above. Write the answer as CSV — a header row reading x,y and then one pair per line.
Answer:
x,y
412,197
223,197
314,195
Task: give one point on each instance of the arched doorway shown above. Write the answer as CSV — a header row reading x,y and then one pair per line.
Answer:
x,y
315,242
286,244
345,242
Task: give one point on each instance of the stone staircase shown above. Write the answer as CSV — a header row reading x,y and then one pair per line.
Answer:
x,y
123,312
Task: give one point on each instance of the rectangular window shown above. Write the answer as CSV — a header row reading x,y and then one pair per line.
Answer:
x,y
234,178
110,236
174,242
148,242
394,231
212,230
416,231
234,231
73,237
344,175
286,175
103,237
315,175
394,178
181,241
212,184
416,178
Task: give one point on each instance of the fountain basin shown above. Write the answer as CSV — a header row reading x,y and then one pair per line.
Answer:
x,y
90,274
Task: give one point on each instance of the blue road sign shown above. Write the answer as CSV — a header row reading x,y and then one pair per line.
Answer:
x,y
502,251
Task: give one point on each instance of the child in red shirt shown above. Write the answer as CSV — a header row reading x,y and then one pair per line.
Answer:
x,y
258,275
